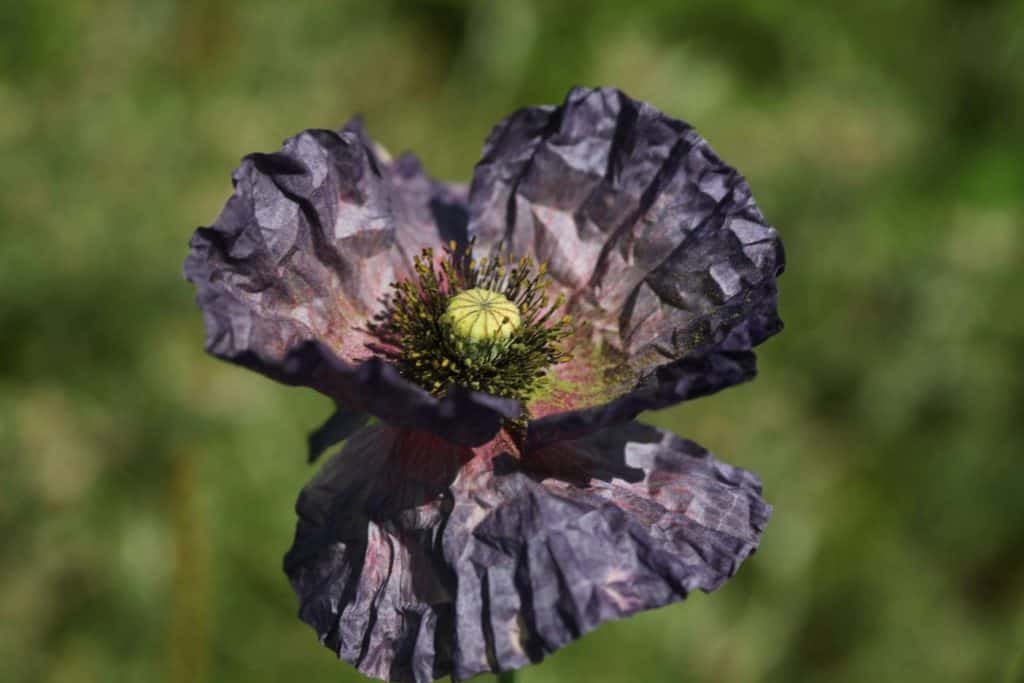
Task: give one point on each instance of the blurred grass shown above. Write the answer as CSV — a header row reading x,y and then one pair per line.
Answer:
x,y
146,490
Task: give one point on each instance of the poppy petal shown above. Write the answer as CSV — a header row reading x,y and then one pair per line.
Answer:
x,y
666,260
300,259
414,559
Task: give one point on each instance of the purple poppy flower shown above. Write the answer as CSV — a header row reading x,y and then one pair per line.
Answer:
x,y
604,261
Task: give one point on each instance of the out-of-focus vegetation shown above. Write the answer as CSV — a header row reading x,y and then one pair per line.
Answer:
x,y
146,490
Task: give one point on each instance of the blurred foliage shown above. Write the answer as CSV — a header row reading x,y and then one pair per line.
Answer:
x,y
146,490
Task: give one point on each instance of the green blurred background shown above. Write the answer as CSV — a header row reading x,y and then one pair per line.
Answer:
x,y
146,490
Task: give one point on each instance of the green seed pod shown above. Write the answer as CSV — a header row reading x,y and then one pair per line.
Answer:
x,y
483,320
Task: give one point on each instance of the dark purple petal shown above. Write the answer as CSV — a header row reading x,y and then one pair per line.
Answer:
x,y
668,262
298,263
461,416
414,559
304,249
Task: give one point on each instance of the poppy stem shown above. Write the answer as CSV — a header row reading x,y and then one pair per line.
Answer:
x,y
507,677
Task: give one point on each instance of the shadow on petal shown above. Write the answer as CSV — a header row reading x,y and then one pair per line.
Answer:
x,y
461,416
339,426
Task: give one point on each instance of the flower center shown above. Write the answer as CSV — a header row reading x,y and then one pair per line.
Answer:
x,y
480,315
488,326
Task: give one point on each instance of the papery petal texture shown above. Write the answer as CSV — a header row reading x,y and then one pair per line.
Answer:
x,y
298,264
667,262
415,559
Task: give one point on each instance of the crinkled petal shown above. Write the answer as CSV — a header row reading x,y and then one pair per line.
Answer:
x,y
669,265
300,259
303,250
414,559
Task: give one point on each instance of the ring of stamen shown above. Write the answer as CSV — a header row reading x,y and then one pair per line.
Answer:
x,y
488,325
